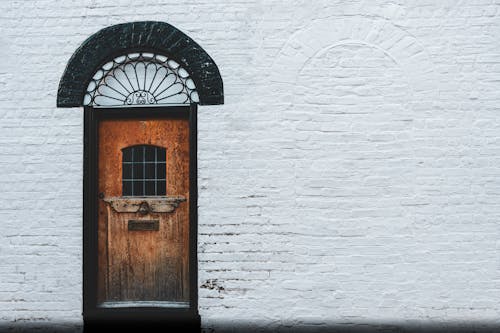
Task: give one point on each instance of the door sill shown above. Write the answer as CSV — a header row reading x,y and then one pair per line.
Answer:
x,y
145,304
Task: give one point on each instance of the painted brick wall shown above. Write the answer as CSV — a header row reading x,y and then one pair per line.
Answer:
x,y
351,177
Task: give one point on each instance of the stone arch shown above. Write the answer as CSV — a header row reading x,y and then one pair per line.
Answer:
x,y
144,36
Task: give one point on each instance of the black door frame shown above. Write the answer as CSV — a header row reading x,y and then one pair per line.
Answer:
x,y
92,314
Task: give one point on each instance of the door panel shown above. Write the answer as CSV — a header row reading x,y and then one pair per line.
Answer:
x,y
143,242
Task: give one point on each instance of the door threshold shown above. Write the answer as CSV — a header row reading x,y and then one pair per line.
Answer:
x,y
144,304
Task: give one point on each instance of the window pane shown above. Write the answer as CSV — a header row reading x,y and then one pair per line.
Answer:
x,y
138,171
138,188
150,154
160,154
160,187
160,171
127,154
127,188
127,171
150,187
150,171
138,153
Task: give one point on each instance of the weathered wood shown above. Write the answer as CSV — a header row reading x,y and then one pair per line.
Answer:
x,y
166,204
143,266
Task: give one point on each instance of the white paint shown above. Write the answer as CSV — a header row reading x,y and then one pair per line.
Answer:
x,y
351,176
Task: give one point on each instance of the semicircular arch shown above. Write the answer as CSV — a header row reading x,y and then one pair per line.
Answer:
x,y
146,36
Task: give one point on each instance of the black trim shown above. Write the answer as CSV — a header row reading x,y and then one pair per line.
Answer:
x,y
145,36
193,204
93,316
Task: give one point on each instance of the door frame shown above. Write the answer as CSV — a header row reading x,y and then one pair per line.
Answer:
x,y
92,314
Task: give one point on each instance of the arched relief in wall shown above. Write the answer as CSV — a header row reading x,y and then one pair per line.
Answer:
x,y
353,93
352,71
324,34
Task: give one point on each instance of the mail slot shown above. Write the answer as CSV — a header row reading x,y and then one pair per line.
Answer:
x,y
143,225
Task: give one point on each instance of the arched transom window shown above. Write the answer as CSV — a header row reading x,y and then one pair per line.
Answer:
x,y
144,171
140,79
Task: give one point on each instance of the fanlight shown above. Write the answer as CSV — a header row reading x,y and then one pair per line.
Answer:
x,y
140,79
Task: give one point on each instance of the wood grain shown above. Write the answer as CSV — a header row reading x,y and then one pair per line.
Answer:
x,y
143,265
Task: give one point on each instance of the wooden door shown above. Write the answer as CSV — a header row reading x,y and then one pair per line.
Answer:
x,y
143,213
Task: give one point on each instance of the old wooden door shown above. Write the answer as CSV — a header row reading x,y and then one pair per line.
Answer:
x,y
143,213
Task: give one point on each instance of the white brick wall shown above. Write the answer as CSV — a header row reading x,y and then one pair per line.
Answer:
x,y
352,175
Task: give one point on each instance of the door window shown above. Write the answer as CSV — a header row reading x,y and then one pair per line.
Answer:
x,y
144,171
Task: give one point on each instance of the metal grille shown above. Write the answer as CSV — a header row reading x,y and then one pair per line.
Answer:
x,y
140,79
144,171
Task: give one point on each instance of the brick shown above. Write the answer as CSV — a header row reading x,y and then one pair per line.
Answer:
x,y
350,176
